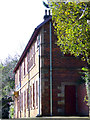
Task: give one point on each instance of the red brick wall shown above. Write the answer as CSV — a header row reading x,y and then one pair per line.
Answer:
x,y
45,71
82,107
65,69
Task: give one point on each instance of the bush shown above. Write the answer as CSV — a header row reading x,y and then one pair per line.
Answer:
x,y
11,111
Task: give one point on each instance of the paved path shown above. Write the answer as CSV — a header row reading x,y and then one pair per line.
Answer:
x,y
53,118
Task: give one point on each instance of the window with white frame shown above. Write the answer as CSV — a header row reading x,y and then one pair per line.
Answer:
x,y
31,56
33,95
26,64
24,67
21,101
36,94
18,77
38,40
22,71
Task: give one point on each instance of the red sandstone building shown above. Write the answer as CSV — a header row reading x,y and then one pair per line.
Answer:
x,y
47,82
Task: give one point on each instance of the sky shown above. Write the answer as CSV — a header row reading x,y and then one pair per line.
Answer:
x,y
18,19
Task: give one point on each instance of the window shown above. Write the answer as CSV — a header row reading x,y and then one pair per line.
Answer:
x,y
24,67
27,98
28,60
37,93
16,79
38,40
33,95
20,73
22,101
26,64
31,56
18,104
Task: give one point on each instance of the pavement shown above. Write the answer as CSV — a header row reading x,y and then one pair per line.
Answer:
x,y
52,118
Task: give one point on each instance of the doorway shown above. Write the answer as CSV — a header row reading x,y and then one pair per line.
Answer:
x,y
70,100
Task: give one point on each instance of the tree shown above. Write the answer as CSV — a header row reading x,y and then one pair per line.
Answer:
x,y
8,83
72,30
8,75
70,22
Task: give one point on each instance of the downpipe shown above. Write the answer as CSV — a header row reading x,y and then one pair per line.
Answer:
x,y
50,68
39,79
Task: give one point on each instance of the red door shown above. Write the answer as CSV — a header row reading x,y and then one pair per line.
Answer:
x,y
70,100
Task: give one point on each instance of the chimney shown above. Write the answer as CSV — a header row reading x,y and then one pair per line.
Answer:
x,y
49,12
46,16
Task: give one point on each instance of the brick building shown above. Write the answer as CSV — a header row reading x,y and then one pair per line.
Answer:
x,y
46,80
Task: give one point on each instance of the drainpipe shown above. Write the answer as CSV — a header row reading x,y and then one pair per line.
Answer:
x,y
39,78
50,68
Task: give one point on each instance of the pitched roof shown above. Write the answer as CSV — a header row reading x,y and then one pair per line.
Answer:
x,y
35,33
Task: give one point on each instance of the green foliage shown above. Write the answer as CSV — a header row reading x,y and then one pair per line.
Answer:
x,y
12,111
8,77
86,77
73,31
86,100
70,23
7,83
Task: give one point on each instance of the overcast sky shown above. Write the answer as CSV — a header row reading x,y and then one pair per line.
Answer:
x,y
18,19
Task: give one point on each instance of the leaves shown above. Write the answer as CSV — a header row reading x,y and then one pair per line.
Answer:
x,y
8,82
73,31
69,20
84,69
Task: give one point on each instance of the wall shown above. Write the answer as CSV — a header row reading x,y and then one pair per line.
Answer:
x,y
31,75
65,71
81,103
